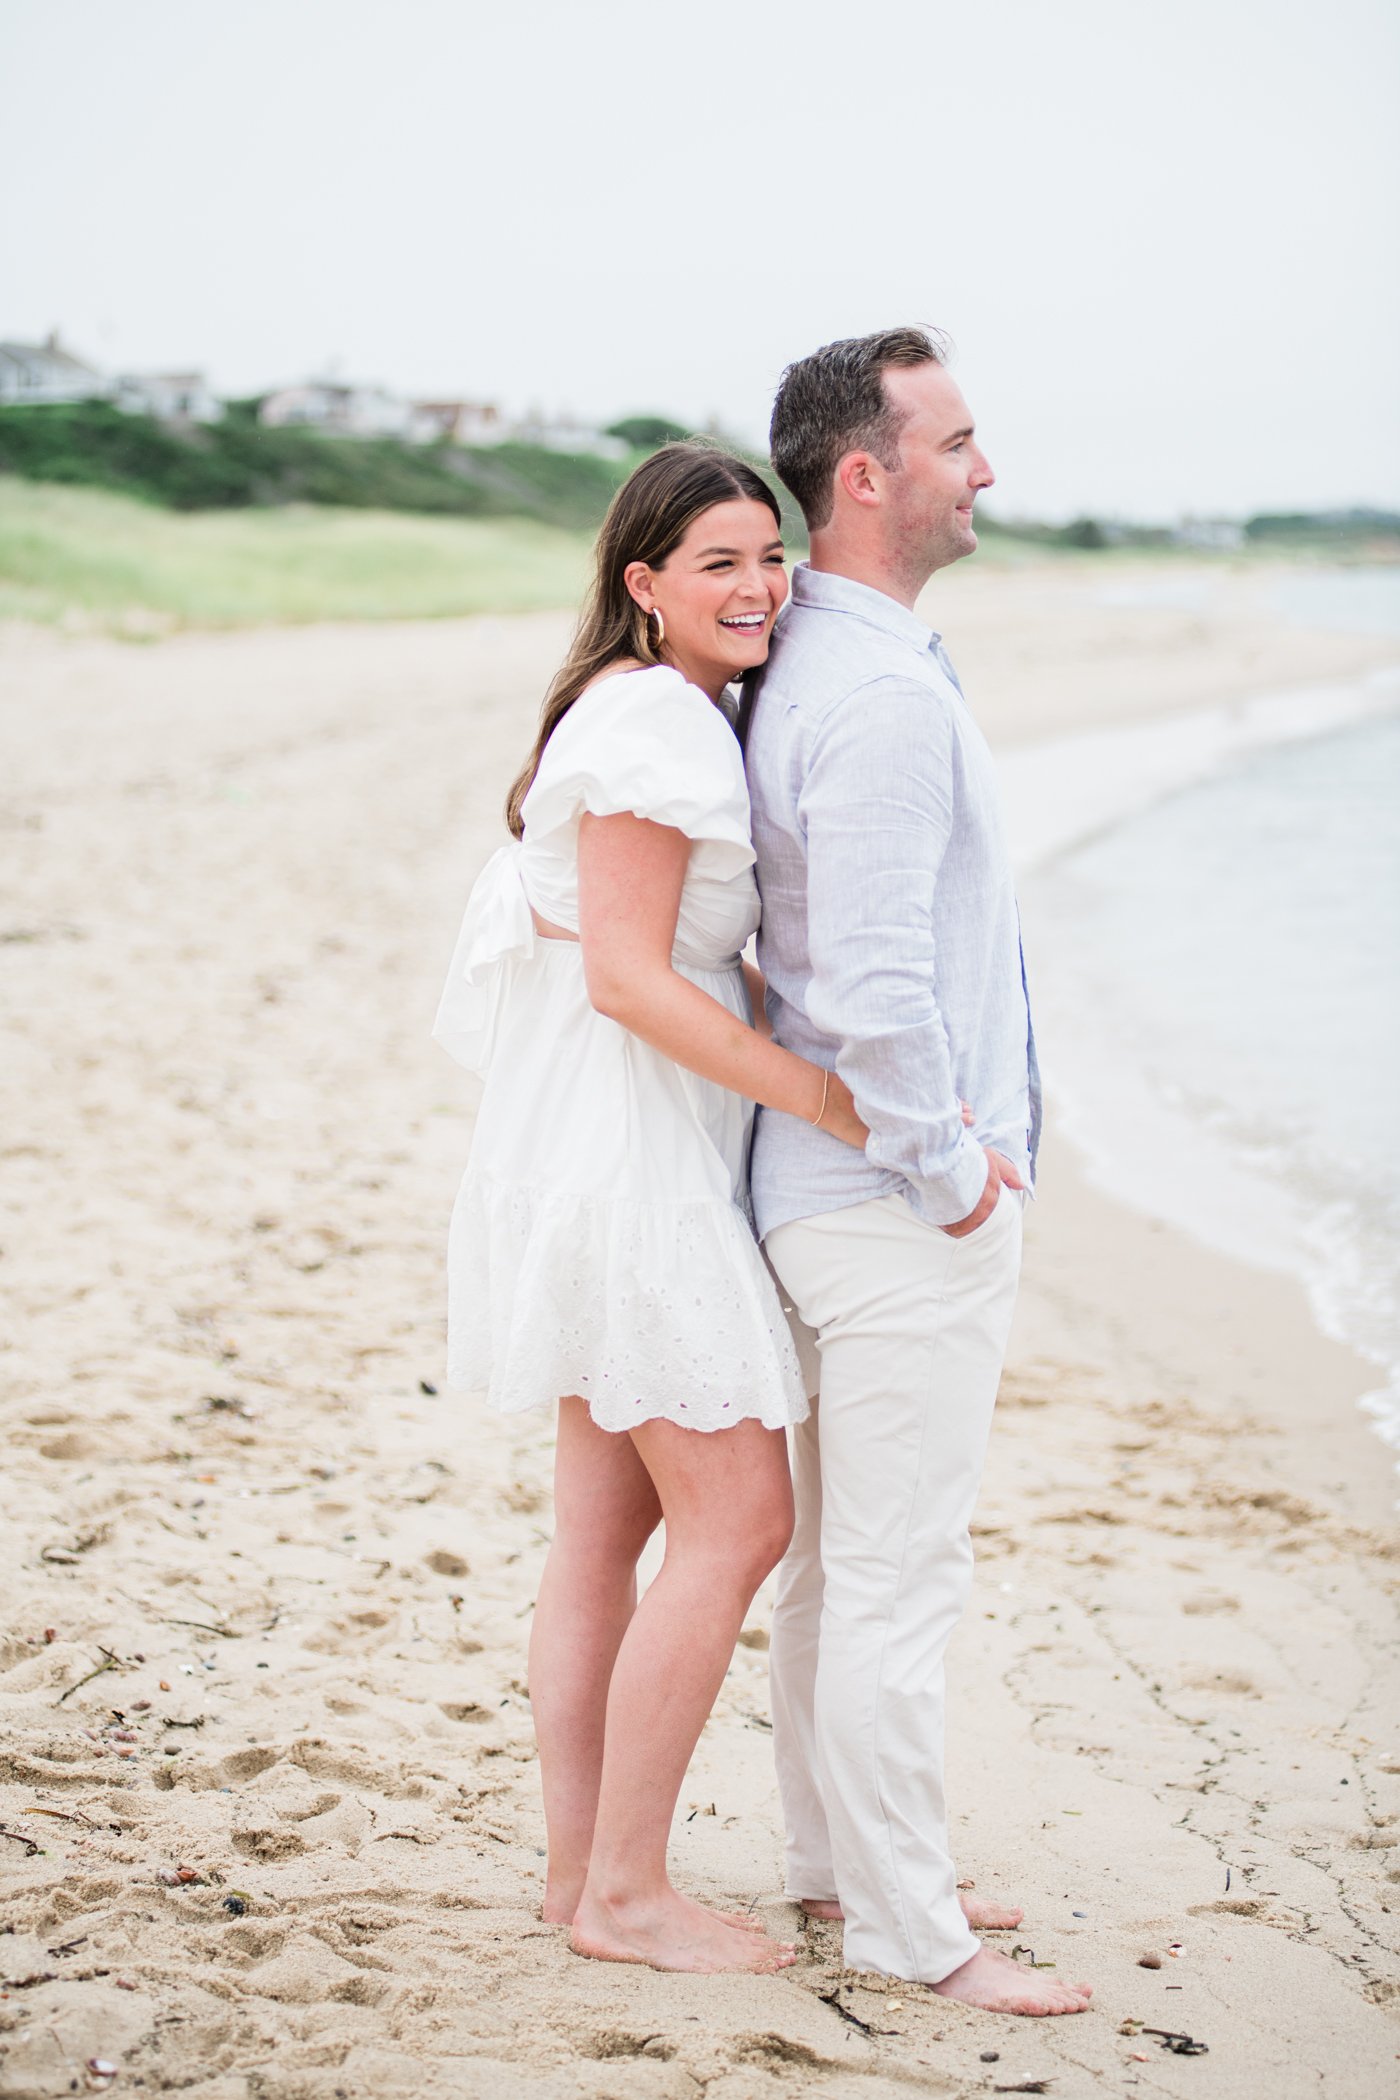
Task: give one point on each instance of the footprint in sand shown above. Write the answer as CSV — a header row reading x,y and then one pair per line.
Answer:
x,y
257,1942
344,1823
343,1765
311,1975
1222,1681
444,1563
75,1445
1207,1602
319,1806
265,1842
247,1764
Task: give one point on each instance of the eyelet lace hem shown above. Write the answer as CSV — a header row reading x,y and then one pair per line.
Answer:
x,y
647,1310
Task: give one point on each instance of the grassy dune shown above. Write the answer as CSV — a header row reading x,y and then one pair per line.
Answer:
x,y
92,560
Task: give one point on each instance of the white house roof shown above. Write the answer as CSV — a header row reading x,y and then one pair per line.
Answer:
x,y
45,353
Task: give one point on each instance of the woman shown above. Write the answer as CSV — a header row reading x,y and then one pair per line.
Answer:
x,y
601,1253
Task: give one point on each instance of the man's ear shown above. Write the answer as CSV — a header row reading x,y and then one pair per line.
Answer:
x,y
856,478
637,577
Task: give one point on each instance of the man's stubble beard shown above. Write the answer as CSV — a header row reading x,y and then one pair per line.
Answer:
x,y
927,549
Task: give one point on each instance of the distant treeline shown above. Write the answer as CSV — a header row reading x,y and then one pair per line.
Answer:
x,y
1084,533
1323,524
1297,527
240,462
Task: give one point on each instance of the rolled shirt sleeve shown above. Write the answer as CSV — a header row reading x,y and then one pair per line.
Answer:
x,y
877,809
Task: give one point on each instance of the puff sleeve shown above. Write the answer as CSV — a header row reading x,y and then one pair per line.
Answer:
x,y
648,742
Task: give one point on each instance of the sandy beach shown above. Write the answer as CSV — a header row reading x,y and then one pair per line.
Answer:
x,y
269,1816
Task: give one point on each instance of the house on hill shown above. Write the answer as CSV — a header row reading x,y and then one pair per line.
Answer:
x,y
172,397
342,409
457,423
33,373
565,433
338,408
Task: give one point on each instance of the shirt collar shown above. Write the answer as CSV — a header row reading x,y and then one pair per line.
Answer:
x,y
831,593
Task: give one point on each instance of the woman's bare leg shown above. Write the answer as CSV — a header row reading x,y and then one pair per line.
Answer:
x,y
605,1510
727,1502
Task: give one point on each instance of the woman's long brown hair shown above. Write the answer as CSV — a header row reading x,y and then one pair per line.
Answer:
x,y
646,521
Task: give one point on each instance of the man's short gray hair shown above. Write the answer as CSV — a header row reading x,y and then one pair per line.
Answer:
x,y
834,402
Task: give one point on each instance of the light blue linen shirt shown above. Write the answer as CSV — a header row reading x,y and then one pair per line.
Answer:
x,y
890,940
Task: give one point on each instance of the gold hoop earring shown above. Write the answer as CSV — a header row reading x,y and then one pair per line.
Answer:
x,y
655,614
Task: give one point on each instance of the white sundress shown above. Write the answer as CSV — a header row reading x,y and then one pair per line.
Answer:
x,y
601,1241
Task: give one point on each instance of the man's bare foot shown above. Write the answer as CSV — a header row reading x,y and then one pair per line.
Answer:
x,y
981,1913
670,1932
995,1983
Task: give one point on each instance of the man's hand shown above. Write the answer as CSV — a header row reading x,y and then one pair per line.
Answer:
x,y
999,1171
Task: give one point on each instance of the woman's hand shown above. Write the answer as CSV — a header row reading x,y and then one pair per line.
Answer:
x,y
839,1116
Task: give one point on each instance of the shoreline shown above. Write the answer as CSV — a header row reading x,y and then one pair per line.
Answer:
x,y
238,865
1062,791
1061,795
1214,1327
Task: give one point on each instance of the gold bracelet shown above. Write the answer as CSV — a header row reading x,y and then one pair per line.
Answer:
x,y
826,1083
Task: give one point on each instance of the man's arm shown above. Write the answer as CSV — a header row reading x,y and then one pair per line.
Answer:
x,y
877,808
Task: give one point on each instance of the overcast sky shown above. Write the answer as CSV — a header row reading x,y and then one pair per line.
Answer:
x,y
1163,233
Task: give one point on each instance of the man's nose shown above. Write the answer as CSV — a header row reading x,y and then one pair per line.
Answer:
x,y
982,473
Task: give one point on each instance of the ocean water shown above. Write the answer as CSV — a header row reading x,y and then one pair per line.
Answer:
x,y
1213,928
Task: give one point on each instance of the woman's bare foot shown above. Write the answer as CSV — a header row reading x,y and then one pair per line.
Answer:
x,y
995,1983
560,1907
744,1920
670,1932
981,1914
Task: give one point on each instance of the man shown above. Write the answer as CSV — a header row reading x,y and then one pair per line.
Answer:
x,y
891,948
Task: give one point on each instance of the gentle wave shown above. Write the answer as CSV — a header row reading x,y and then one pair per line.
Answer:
x,y
1213,926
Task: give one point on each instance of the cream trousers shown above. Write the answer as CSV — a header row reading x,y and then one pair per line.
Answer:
x,y
911,1328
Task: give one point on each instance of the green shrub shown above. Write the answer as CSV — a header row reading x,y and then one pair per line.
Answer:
x,y
239,463
1323,525
647,433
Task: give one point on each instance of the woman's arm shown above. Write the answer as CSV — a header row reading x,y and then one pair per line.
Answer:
x,y
753,978
630,873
